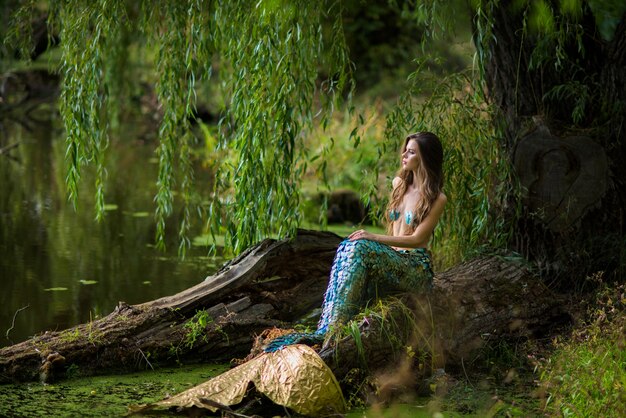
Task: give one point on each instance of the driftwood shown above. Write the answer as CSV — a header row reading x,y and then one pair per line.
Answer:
x,y
273,284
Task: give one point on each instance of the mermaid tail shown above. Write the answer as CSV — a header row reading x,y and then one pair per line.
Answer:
x,y
363,270
308,338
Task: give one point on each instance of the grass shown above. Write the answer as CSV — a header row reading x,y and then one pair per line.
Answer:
x,y
586,375
579,375
69,336
94,335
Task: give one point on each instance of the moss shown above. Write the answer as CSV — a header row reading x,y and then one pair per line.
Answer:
x,y
102,395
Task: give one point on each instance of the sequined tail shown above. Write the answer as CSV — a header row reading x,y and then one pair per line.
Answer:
x,y
293,338
362,270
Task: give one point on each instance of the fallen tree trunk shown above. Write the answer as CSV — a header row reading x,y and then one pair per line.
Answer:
x,y
273,284
485,301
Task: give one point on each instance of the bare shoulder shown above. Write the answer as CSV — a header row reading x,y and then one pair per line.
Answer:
x,y
440,202
396,182
438,205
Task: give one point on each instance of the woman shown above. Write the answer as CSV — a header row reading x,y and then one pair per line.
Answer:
x,y
366,266
370,265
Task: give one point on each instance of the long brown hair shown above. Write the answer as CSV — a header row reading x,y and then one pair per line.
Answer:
x,y
430,172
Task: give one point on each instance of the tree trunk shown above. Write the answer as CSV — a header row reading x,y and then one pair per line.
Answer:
x,y
563,104
273,284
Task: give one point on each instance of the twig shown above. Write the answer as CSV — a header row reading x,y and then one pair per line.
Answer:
x,y
13,323
466,376
9,147
286,412
145,358
224,408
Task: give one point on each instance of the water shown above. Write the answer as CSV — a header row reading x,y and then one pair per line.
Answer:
x,y
101,396
58,266
67,269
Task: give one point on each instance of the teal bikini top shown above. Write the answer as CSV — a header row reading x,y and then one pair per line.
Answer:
x,y
394,215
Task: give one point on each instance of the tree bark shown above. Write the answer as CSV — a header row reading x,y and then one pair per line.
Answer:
x,y
483,301
561,87
273,284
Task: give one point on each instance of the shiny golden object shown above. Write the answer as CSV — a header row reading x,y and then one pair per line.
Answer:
x,y
295,377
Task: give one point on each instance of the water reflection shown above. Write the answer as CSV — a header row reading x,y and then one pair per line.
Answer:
x,y
45,244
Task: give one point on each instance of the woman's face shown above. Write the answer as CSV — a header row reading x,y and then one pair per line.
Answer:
x,y
411,156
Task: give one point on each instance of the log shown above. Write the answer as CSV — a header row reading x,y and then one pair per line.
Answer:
x,y
273,284
487,300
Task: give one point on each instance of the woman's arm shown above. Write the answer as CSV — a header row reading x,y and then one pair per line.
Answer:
x,y
417,239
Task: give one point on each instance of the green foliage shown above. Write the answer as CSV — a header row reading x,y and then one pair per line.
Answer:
x,y
558,17
607,14
559,37
541,19
70,336
586,376
73,371
272,50
345,151
384,37
182,56
269,55
197,327
17,29
94,335
352,329
575,92
477,175
282,67
397,323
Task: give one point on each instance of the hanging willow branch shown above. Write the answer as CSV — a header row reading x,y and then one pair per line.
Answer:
x,y
85,30
176,81
272,49
270,54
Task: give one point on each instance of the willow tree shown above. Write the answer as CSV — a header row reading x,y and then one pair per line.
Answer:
x,y
553,81
555,70
267,57
550,78
550,72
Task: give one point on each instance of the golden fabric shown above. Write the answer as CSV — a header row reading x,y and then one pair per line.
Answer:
x,y
295,377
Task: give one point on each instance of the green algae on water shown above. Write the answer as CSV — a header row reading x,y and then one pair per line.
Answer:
x,y
101,396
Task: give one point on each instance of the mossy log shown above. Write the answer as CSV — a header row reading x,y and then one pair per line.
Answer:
x,y
272,285
480,303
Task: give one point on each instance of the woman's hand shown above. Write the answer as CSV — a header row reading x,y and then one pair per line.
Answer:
x,y
361,234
